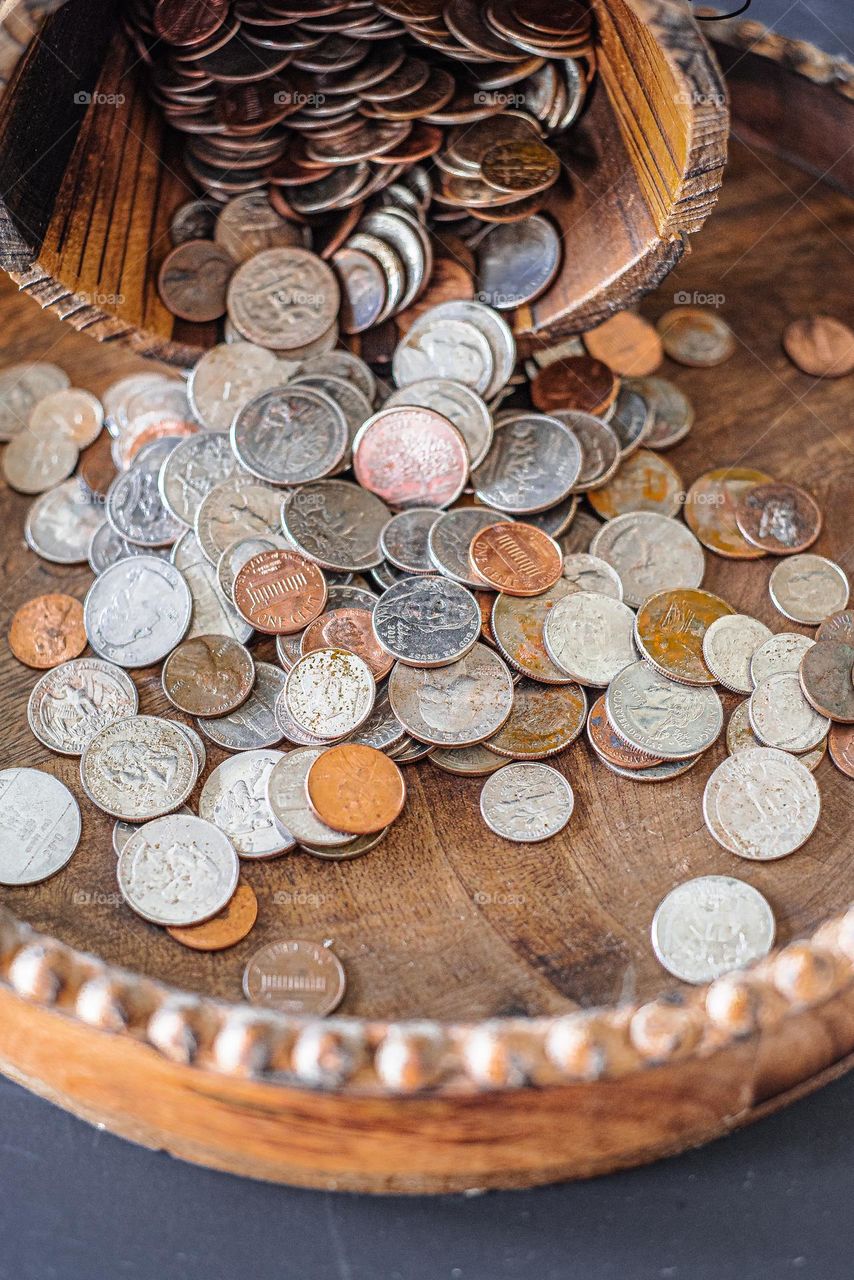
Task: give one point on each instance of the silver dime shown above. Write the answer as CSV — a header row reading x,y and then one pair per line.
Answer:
x,y
526,802
234,798
289,649
21,388
427,621
458,403
60,524
214,613
450,538
497,332
728,646
404,539
345,596
385,575
556,520
287,796
631,420
454,706
808,588
392,267
410,242
533,463
782,652
651,553
330,692
337,524
137,611
253,726
106,547
781,717
226,377
138,768
135,507
240,553
584,572
761,804
660,716
72,702
517,262
590,637
177,871
672,411
451,349
236,509
122,831
194,467
39,826
710,926
600,448
290,435
740,737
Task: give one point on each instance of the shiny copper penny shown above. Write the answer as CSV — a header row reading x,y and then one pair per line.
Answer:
x,y
355,788
779,518
518,559
48,630
296,976
280,592
627,344
349,629
544,720
228,928
576,382
609,744
696,337
644,482
820,345
208,675
669,630
839,626
840,742
710,507
827,679
193,280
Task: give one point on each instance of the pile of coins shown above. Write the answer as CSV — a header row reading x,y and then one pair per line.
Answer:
x,y
416,556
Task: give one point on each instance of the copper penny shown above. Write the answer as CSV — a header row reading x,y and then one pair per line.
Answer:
x,y
518,559
608,743
349,629
644,482
208,676
523,166
295,976
669,630
411,457
356,789
779,518
48,630
710,507
96,469
840,741
188,22
577,382
696,337
544,720
228,928
839,626
627,344
820,345
826,679
193,280
280,592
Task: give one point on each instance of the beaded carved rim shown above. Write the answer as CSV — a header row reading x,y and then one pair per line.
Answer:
x,y
408,1057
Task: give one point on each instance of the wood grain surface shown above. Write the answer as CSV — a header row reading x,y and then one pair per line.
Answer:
x,y
444,919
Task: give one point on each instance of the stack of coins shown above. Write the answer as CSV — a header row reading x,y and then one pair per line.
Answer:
x,y
342,578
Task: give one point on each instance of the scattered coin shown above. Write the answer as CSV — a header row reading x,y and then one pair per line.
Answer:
x,y
193,280
607,743
526,802
517,627
839,626
234,798
330,693
72,413
405,540
61,523
283,298
729,644
47,631
238,508
626,343
299,978
644,482
137,611
518,559
670,629
533,463
280,592
781,717
711,925
71,703
518,261
355,788
138,768
411,457
213,612
427,621
590,637
584,572
458,403
454,706
821,346
466,762
33,464
841,743
577,382
287,796
660,716
449,540
778,518
761,804
826,679
39,826
672,411
650,553
226,929
208,676
348,629
630,419
695,336
740,737
545,719
253,726
21,388
177,870
193,468
290,435
808,589
337,524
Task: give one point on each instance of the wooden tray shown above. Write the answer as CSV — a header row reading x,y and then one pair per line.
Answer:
x,y
506,1022
86,229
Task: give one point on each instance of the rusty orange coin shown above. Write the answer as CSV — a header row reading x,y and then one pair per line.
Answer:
x,y
280,592
841,743
606,742
626,343
644,482
821,346
710,506
349,629
576,382
669,631
545,719
518,559
228,928
356,789
48,630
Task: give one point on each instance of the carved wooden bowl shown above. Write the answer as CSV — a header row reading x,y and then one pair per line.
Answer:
x,y
506,1022
86,229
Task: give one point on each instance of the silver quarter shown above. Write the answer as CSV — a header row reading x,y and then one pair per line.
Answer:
x,y
427,621
526,802
337,524
290,435
61,523
728,647
330,693
651,553
287,796
39,826
138,768
226,377
451,349
122,831
454,706
137,611
782,652
459,404
450,538
194,467
533,463
253,726
808,588
213,613
497,332
135,507
177,871
590,637
234,798
761,804
710,926
660,716
236,509
781,717
404,540
583,572
72,702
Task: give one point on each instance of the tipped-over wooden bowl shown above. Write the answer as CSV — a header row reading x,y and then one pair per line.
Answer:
x,y
88,179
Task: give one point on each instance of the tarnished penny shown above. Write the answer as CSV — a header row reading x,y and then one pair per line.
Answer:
x,y
670,627
348,629
517,559
644,482
411,457
820,345
627,344
545,719
296,977
517,628
228,928
826,679
696,337
840,741
208,676
280,592
608,743
48,630
356,789
710,507
839,626
193,280
779,518
577,382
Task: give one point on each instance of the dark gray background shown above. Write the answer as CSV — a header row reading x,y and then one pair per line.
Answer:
x,y
771,1202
